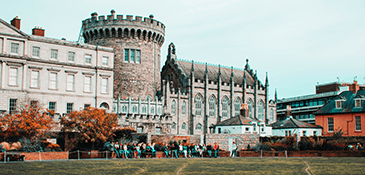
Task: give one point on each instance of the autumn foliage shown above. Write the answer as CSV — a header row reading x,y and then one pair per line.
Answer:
x,y
92,124
33,122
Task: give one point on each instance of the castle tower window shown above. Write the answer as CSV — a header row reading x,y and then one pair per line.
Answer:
x,y
126,55
173,107
54,54
237,106
183,108
225,107
36,51
198,105
212,106
71,56
138,56
87,59
261,111
105,61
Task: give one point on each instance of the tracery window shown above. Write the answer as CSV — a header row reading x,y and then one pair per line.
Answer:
x,y
198,105
173,107
212,106
225,107
237,106
261,111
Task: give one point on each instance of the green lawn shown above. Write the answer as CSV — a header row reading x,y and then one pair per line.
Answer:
x,y
190,166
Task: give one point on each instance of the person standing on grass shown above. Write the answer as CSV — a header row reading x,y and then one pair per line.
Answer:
x,y
216,150
165,150
125,150
153,150
175,147
209,150
234,150
130,150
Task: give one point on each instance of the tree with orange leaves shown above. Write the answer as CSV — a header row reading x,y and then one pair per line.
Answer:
x,y
32,122
92,124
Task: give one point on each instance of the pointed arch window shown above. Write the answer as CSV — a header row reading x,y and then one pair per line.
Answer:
x,y
225,107
144,109
198,105
134,109
271,114
183,126
237,106
249,106
183,108
212,106
261,111
173,126
198,127
152,110
173,107
124,109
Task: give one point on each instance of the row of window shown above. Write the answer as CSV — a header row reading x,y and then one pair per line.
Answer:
x,y
358,103
330,124
304,133
53,79
225,107
54,54
144,109
132,56
51,106
296,104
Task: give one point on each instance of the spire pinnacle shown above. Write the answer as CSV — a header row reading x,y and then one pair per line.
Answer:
x,y
267,80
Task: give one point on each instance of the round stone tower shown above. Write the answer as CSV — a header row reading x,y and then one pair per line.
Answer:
x,y
137,47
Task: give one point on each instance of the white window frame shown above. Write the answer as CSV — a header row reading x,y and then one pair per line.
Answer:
x,y
358,102
53,83
70,82
14,48
13,76
330,124
104,85
34,78
36,51
71,56
338,104
67,107
357,123
88,58
54,54
105,61
87,83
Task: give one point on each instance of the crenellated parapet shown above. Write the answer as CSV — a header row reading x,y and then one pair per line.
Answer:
x,y
116,26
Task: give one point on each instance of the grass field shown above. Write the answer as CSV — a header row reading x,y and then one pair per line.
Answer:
x,y
190,166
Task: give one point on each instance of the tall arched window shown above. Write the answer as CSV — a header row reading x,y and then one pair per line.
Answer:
x,y
152,110
225,107
260,111
198,105
173,107
249,106
134,109
183,126
173,126
124,109
183,108
271,114
144,109
212,106
198,127
237,106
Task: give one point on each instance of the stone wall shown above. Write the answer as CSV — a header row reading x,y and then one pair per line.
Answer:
x,y
166,138
242,140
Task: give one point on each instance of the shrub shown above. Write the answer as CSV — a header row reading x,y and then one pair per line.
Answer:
x,y
278,146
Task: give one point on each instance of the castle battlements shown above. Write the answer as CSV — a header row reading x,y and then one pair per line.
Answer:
x,y
117,26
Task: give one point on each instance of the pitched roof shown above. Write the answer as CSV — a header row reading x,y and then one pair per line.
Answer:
x,y
290,122
11,29
213,71
238,120
348,103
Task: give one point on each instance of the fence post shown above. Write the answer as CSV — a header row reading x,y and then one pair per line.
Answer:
x,y
286,154
261,153
5,157
40,157
106,152
78,154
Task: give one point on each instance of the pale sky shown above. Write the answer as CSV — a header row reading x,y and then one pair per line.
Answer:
x,y
299,43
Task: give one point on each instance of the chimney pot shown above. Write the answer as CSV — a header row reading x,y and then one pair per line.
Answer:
x,y
38,31
16,22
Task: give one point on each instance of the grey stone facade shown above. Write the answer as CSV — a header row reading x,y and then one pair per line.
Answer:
x,y
225,140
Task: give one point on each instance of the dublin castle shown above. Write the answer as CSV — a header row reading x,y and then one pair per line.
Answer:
x,y
117,67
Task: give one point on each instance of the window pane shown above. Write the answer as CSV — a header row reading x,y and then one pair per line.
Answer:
x,y
34,79
70,82
54,54
14,48
132,56
88,59
13,76
69,107
173,107
104,85
358,123
52,106
71,56
53,80
330,124
126,55
12,106
36,51
138,55
105,61
87,87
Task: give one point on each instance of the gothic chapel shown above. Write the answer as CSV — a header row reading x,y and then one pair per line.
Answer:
x,y
197,96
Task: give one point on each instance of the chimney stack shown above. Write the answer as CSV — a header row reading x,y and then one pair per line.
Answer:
x,y
288,111
38,31
244,110
16,22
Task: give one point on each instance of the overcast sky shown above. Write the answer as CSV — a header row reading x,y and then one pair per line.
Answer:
x,y
299,43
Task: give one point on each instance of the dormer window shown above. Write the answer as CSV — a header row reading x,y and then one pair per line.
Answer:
x,y
338,104
358,102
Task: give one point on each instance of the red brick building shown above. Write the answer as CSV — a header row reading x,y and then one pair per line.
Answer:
x,y
346,111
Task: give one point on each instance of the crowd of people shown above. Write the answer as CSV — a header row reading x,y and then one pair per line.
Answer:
x,y
173,150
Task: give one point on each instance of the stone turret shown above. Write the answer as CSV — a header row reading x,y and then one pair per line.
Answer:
x,y
137,46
